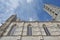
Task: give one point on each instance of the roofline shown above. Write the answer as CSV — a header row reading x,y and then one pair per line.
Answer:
x,y
40,21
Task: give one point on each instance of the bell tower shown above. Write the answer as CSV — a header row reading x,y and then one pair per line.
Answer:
x,y
53,11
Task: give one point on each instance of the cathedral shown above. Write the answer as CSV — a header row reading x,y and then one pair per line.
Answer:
x,y
15,29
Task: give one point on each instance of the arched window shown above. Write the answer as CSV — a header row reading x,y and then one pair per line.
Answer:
x,y
29,30
44,25
46,30
12,30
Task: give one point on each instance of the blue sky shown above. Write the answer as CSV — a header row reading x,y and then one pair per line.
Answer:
x,y
54,2
26,9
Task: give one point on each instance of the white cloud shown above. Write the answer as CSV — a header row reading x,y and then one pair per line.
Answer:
x,y
0,24
30,19
7,7
14,3
29,1
11,5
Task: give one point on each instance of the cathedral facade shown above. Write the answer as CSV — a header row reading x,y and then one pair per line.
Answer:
x,y
14,29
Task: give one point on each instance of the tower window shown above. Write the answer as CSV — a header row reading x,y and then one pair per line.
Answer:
x,y
52,11
55,14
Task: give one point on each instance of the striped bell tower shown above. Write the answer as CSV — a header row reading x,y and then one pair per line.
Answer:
x,y
53,11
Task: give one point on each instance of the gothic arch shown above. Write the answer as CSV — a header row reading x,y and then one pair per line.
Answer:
x,y
29,25
44,25
29,30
